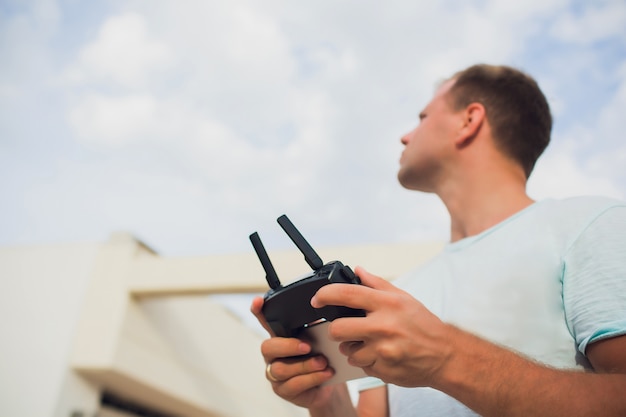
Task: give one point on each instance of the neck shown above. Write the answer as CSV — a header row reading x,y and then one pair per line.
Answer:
x,y
475,205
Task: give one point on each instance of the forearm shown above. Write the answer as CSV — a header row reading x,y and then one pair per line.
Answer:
x,y
496,382
338,405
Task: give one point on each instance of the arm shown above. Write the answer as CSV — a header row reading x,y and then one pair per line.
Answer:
x,y
373,403
338,404
494,382
609,355
403,343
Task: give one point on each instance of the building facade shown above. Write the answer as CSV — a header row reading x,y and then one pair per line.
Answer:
x,y
113,329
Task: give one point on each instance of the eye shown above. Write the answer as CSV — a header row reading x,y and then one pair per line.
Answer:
x,y
422,116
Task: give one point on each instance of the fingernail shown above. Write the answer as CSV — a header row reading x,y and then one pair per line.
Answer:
x,y
304,348
319,362
314,302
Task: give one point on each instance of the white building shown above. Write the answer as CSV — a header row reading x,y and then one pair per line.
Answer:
x,y
113,329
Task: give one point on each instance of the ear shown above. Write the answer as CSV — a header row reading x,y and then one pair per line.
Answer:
x,y
472,119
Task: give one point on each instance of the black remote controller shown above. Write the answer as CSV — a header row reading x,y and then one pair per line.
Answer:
x,y
287,309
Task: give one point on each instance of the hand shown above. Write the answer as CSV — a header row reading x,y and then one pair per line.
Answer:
x,y
298,377
399,341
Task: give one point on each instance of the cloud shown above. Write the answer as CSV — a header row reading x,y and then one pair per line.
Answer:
x,y
587,158
588,155
199,123
560,174
595,22
123,53
611,116
25,34
114,121
609,156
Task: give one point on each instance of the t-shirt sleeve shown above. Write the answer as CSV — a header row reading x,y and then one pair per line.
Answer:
x,y
594,279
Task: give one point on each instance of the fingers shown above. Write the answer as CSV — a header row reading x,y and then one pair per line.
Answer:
x,y
350,329
288,368
349,348
290,373
355,296
283,347
357,354
348,295
256,308
301,385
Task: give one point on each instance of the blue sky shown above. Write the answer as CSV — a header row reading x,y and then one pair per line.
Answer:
x,y
192,124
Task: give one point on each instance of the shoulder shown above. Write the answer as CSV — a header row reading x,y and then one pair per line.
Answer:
x,y
576,213
581,206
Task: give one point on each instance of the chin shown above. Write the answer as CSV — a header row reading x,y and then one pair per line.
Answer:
x,y
404,181
413,184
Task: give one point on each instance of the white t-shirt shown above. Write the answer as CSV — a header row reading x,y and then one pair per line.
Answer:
x,y
546,282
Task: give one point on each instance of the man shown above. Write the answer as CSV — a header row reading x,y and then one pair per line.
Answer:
x,y
522,314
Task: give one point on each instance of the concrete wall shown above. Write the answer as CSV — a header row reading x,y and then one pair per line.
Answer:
x,y
42,289
76,320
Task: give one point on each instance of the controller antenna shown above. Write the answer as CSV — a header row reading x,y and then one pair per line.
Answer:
x,y
270,272
310,256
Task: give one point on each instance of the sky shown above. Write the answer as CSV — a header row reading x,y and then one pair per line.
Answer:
x,y
190,124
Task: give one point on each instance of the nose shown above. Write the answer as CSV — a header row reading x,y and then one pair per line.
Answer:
x,y
405,139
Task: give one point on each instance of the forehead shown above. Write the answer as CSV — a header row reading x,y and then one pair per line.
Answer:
x,y
444,88
440,96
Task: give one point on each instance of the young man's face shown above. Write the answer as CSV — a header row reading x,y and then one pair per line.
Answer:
x,y
428,145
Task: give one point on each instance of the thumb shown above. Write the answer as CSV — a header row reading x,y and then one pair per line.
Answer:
x,y
256,308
